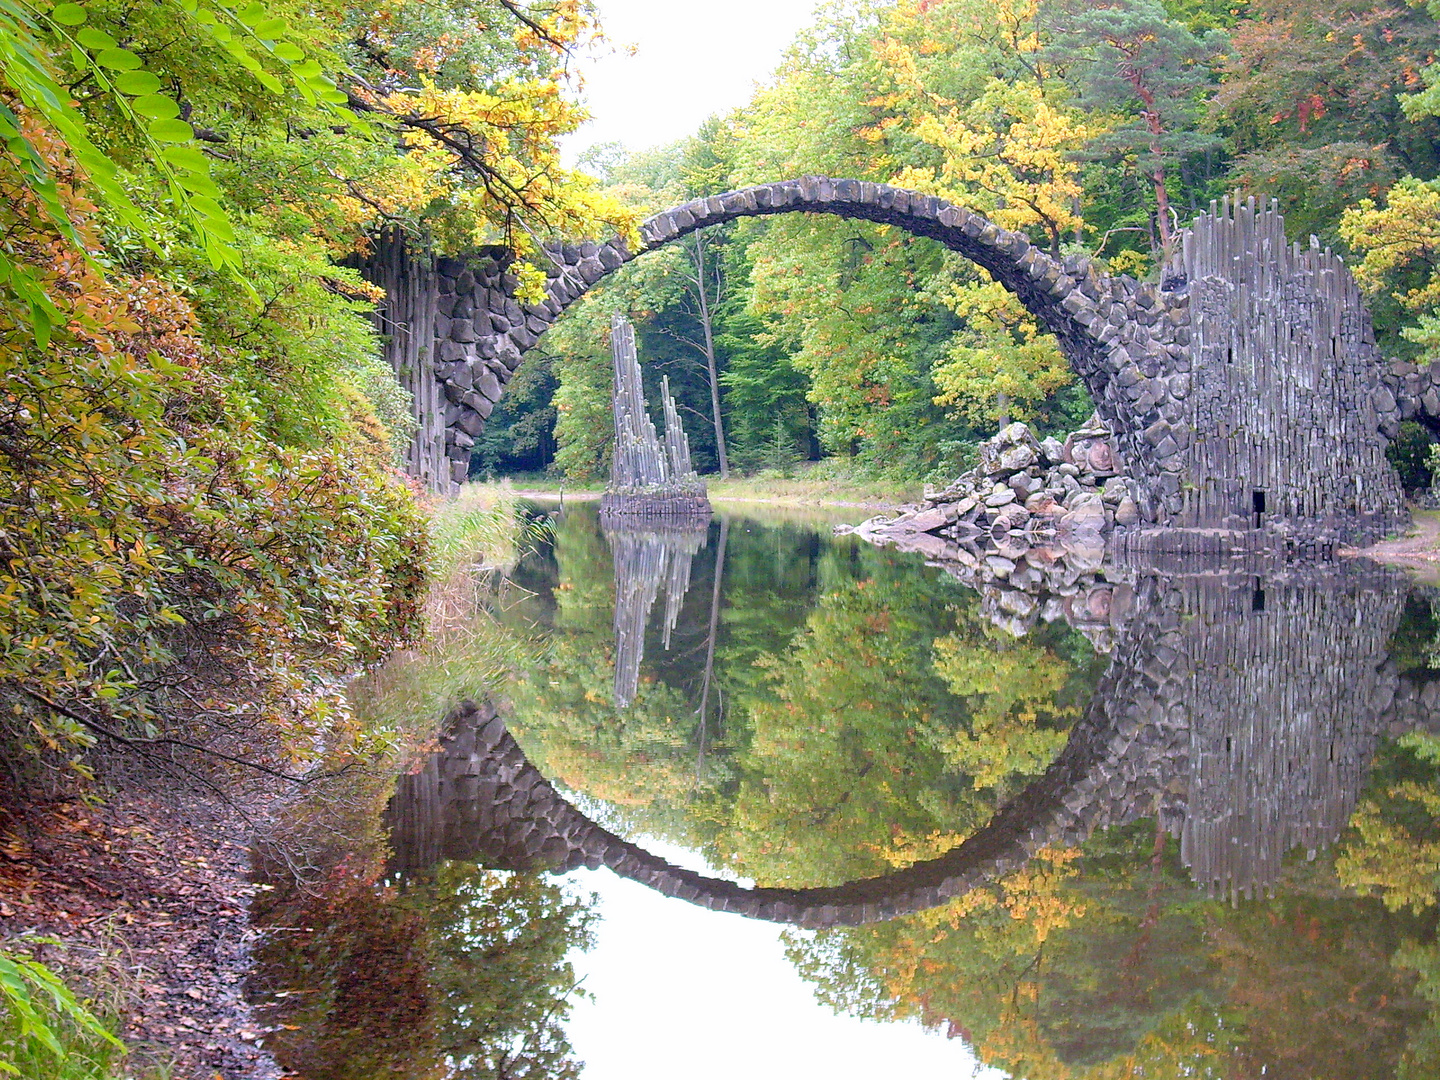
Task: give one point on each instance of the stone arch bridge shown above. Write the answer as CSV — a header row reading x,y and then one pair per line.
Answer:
x,y
1245,719
1245,391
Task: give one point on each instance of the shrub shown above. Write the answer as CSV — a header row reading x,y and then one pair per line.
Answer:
x,y
162,560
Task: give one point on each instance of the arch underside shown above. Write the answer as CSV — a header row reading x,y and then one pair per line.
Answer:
x,y
1092,316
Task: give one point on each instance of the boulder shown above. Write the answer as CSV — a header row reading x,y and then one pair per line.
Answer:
x,y
1000,495
1024,485
927,521
1116,488
1016,434
1016,458
999,565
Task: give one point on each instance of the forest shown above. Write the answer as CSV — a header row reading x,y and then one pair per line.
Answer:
x,y
1097,129
205,534
195,418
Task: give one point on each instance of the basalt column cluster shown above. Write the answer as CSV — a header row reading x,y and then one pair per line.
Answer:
x,y
1244,392
649,478
1288,399
450,330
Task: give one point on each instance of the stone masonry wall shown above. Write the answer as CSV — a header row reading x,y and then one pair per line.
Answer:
x,y
1244,392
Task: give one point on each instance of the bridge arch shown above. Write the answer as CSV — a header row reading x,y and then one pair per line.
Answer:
x,y
1244,392
1105,326
482,800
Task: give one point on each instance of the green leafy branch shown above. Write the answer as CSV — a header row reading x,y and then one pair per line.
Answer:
x,y
136,94
33,995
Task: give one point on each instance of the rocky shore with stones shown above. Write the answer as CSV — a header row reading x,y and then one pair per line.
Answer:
x,y
1027,527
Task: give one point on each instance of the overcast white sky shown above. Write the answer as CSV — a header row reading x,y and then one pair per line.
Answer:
x,y
684,992
690,60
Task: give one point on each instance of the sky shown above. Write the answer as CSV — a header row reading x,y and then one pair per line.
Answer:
x,y
678,990
707,995
690,60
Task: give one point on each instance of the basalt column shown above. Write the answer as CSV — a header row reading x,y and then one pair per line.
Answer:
x,y
406,321
1283,682
446,326
1287,391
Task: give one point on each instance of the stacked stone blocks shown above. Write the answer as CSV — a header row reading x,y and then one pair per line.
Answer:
x,y
1244,391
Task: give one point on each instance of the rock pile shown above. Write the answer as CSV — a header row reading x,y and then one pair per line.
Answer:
x,y
1027,527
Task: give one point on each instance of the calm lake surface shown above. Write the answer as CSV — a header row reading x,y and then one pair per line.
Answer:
x,y
757,800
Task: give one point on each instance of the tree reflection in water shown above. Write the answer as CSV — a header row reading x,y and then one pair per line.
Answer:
x,y
459,973
1228,741
1105,960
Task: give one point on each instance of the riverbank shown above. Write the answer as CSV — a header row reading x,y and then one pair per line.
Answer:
x,y
130,876
139,901
1417,551
817,485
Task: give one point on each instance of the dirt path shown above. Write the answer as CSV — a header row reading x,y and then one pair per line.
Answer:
x,y
152,893
1417,550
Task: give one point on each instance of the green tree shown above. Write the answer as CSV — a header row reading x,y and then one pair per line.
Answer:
x,y
1310,103
465,973
1131,59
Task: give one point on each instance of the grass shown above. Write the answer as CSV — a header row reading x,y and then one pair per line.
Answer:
x,y
466,653
477,526
812,483
818,483
399,705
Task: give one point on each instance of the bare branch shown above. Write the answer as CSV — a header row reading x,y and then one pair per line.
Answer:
x,y
141,745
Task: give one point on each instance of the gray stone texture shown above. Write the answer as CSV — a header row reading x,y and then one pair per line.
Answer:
x,y
1249,375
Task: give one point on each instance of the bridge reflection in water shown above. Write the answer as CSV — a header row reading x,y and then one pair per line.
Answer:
x,y
1244,711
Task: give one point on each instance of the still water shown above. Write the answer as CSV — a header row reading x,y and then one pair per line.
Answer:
x,y
747,798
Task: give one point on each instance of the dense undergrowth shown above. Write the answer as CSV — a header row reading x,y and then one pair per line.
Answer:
x,y
167,560
202,531
325,846
203,535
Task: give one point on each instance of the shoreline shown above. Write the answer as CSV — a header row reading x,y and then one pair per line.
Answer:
x,y
149,897
788,501
1418,550
164,889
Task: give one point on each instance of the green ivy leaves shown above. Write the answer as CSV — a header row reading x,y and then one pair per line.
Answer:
x,y
27,30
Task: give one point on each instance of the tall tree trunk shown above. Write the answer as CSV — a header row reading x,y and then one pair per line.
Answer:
x,y
702,296
1162,208
710,644
1157,175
